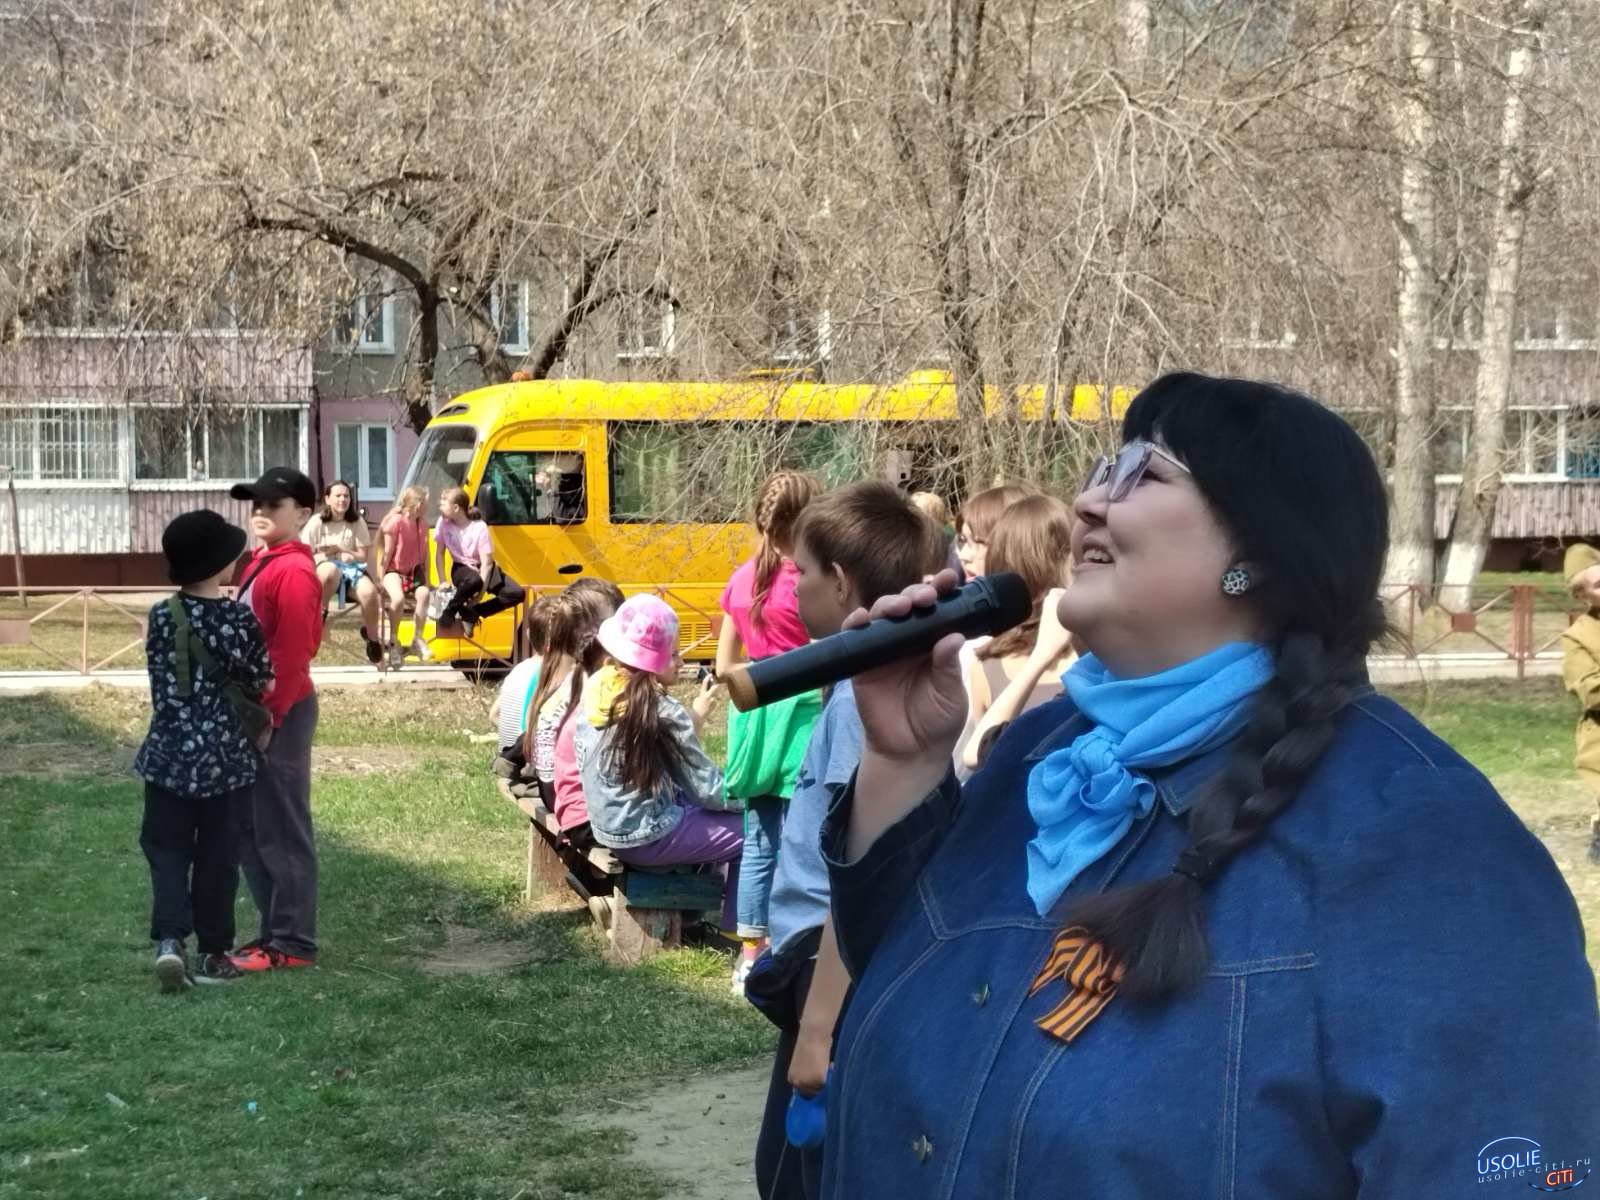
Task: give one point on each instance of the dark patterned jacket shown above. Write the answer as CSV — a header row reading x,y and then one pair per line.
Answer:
x,y
197,745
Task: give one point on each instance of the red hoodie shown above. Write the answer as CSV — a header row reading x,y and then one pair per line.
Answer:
x,y
281,587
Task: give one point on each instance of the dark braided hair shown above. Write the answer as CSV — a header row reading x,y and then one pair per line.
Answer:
x,y
1302,499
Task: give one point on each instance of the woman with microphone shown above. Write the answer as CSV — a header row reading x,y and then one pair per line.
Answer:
x,y
1221,921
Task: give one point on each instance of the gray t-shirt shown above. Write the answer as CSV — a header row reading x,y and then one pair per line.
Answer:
x,y
800,886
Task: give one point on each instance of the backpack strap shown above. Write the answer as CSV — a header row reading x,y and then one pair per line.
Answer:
x,y
189,647
182,636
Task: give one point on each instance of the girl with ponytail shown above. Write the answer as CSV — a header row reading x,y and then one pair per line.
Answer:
x,y
595,599
761,617
1216,921
571,624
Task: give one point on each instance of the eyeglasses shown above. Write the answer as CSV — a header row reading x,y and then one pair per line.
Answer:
x,y
1126,469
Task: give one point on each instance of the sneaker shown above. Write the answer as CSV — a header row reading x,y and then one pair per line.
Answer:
x,y
267,958
172,966
421,649
216,968
374,649
397,657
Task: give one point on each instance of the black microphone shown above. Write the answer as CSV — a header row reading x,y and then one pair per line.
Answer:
x,y
989,604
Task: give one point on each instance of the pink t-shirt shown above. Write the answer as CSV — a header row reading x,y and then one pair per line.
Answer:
x,y
780,627
408,543
571,809
467,544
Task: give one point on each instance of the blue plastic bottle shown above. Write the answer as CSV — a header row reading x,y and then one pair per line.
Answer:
x,y
807,1118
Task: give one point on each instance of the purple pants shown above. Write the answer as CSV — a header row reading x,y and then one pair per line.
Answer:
x,y
703,836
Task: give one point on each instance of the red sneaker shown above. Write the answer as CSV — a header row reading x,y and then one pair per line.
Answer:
x,y
265,958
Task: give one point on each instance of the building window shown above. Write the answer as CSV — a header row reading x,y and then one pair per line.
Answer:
x,y
62,442
800,336
190,445
646,325
363,455
1536,445
1237,33
367,326
1261,332
508,310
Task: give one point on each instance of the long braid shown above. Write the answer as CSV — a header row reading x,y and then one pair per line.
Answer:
x,y
782,500
1157,928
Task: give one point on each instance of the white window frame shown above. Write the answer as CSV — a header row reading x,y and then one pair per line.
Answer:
x,y
192,482
1560,474
1255,340
496,294
360,314
821,329
1470,337
362,474
32,480
633,346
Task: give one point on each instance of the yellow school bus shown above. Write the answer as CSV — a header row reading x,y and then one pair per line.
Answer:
x,y
649,485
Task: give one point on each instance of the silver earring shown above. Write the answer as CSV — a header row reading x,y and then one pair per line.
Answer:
x,y
1235,581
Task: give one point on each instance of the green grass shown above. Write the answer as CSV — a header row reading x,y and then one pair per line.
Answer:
x,y
370,1076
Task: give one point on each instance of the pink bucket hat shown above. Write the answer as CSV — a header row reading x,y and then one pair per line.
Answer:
x,y
642,634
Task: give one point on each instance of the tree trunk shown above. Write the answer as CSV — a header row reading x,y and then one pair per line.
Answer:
x,y
1134,16
958,304
1480,480
420,385
1411,552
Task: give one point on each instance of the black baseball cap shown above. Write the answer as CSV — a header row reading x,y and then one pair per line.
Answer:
x,y
278,483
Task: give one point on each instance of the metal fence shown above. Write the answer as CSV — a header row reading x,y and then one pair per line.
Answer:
x,y
88,630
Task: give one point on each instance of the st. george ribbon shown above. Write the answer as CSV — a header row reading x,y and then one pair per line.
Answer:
x,y
990,604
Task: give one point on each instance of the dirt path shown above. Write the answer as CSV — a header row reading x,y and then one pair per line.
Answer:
x,y
700,1132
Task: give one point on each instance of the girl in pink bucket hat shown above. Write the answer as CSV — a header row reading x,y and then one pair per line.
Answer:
x,y
653,795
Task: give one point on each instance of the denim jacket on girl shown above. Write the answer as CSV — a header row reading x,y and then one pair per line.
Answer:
x,y
620,817
1398,1003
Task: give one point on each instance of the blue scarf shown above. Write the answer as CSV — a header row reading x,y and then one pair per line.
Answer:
x,y
1085,796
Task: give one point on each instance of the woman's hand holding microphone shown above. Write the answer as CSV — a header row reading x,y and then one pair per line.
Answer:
x,y
912,712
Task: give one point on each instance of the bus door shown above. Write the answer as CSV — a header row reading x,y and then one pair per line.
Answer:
x,y
534,495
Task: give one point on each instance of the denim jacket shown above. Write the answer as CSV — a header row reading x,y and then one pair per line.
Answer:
x,y
624,819
1398,1003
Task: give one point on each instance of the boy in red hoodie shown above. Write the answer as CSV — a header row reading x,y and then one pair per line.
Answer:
x,y
278,850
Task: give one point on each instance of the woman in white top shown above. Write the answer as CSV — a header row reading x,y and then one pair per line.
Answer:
x,y
338,537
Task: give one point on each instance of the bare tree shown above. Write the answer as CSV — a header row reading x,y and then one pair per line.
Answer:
x,y
1411,547
1515,181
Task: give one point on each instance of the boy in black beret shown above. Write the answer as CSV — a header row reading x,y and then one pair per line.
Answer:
x,y
208,669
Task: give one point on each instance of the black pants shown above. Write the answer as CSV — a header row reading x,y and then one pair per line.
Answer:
x,y
278,847
504,594
192,843
785,1172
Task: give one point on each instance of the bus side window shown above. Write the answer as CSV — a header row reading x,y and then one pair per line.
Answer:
x,y
534,487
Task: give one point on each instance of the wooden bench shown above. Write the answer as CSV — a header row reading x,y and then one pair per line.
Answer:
x,y
640,911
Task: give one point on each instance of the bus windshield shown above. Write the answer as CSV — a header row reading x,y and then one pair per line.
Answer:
x,y
442,460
